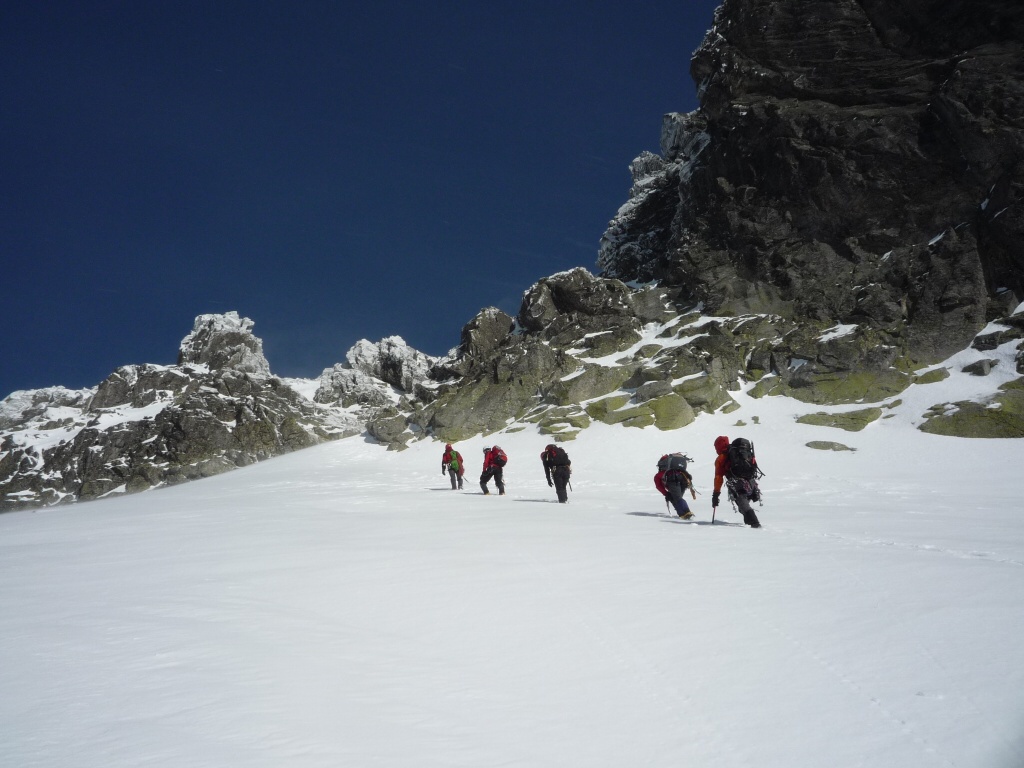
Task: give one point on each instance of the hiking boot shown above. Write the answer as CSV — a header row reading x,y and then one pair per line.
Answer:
x,y
686,515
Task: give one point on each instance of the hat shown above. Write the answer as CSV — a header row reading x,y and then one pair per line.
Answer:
x,y
486,449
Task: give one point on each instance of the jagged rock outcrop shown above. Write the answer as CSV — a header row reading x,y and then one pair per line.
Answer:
x,y
152,425
851,162
379,383
391,360
224,341
350,387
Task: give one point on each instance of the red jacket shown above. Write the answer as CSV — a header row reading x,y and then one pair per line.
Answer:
x,y
491,455
449,454
659,483
722,462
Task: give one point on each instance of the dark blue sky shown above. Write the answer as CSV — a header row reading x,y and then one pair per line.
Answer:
x,y
333,172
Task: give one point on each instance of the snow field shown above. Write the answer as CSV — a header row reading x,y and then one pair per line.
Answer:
x,y
342,606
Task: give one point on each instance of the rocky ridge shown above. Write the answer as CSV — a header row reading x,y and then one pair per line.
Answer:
x,y
582,349
151,425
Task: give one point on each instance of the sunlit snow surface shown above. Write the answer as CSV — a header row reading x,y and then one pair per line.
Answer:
x,y
341,606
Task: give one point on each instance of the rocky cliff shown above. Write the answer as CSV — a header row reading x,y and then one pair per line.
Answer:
x,y
852,161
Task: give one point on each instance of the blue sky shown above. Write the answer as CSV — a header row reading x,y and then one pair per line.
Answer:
x,y
333,172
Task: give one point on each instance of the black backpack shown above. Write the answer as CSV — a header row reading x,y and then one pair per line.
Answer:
x,y
557,457
741,459
672,462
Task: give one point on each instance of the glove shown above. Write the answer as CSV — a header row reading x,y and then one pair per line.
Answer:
x,y
714,498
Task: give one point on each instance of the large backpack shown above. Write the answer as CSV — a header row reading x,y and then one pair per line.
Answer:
x,y
674,467
456,461
499,459
558,457
672,462
740,454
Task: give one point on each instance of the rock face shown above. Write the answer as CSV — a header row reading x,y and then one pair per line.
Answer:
x,y
852,162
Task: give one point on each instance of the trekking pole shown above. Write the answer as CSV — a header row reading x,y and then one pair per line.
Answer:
x,y
713,511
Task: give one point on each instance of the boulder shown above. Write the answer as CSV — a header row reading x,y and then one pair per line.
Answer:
x,y
1000,416
980,367
851,421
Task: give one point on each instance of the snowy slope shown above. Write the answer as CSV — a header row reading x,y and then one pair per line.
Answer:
x,y
340,606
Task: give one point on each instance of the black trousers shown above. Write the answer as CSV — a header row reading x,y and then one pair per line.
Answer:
x,y
496,473
742,492
560,477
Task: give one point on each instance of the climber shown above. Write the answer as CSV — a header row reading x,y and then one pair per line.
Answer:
x,y
557,469
494,463
672,481
451,465
737,466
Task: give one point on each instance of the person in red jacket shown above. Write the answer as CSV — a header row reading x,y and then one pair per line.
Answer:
x,y
742,490
494,463
451,465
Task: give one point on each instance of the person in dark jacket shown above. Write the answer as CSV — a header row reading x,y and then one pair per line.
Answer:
x,y
494,463
451,465
557,469
742,491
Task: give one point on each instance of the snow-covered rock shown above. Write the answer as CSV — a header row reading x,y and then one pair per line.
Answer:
x,y
224,341
349,386
391,360
26,404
